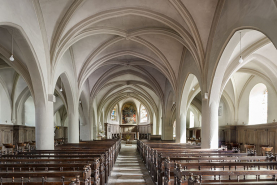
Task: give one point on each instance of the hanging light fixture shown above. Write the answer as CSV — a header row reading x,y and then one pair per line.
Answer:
x,y
240,57
61,89
193,89
11,57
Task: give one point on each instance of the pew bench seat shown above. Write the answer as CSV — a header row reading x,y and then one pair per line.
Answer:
x,y
238,183
221,176
65,176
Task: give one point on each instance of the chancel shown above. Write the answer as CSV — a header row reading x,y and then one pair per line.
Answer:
x,y
138,92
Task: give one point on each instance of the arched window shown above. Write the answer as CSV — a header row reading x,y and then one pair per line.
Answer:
x,y
258,104
143,114
191,120
29,112
174,129
114,114
200,120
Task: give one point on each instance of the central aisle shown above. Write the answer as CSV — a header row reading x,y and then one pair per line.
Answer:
x,y
129,168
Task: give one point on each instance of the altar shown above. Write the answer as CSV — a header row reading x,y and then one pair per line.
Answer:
x,y
128,129
133,135
114,131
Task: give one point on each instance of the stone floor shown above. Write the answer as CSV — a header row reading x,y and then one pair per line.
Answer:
x,y
129,168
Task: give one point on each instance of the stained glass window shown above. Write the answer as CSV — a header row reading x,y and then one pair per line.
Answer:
x,y
174,129
114,113
191,120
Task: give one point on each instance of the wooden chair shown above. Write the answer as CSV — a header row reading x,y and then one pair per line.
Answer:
x,y
229,145
249,148
20,146
224,147
26,145
235,147
32,146
191,140
9,148
266,150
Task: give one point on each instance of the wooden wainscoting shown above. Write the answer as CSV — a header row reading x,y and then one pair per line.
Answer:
x,y
262,134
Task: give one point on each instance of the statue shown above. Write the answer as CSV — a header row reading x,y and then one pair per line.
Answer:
x,y
101,132
100,126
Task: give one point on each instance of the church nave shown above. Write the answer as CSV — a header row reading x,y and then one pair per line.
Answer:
x,y
182,78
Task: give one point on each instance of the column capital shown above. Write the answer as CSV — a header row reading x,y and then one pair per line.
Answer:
x,y
51,98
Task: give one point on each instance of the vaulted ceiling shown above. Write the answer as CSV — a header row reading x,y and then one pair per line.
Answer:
x,y
128,47
116,50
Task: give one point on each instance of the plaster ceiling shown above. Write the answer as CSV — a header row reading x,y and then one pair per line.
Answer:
x,y
100,34
112,43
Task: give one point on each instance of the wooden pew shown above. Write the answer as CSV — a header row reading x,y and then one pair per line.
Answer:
x,y
64,159
105,158
168,166
183,177
150,155
157,161
53,162
49,176
154,164
155,154
233,164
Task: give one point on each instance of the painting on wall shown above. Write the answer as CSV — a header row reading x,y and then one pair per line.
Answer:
x,y
129,113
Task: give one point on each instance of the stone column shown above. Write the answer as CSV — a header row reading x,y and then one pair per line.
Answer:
x,y
167,132
73,127
44,126
209,130
91,122
151,129
183,128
